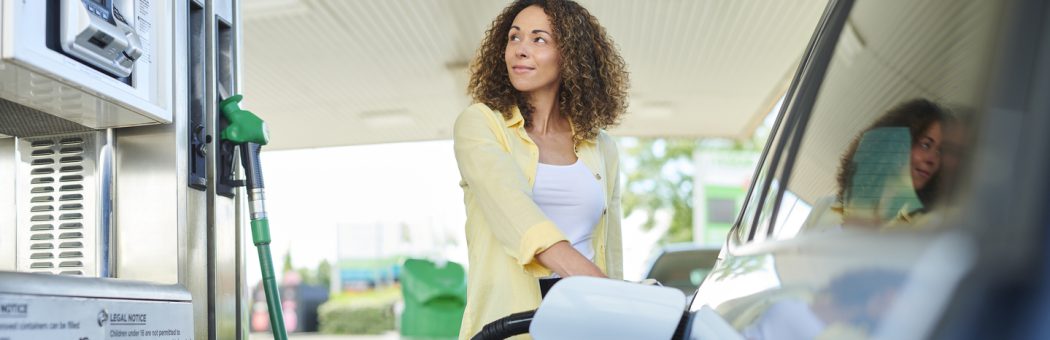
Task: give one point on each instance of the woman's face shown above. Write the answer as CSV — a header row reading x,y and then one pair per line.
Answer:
x,y
926,156
532,58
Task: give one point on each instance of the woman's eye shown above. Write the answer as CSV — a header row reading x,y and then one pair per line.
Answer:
x,y
540,40
514,37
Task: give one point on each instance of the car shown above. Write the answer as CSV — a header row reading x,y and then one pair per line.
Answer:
x,y
903,191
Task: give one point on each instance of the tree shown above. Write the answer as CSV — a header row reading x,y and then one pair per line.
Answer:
x,y
324,273
287,267
306,276
659,175
659,179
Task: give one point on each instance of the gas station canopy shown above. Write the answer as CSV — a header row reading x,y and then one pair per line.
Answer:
x,y
335,73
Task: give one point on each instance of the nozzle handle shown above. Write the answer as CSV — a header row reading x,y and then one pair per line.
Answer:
x,y
245,126
252,166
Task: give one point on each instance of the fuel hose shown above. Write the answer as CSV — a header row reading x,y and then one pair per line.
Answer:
x,y
250,134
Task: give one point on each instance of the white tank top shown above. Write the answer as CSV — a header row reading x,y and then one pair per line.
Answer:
x,y
573,199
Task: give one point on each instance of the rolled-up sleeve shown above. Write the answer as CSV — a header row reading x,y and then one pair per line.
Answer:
x,y
501,189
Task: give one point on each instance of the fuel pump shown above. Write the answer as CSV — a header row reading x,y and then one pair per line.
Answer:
x,y
249,133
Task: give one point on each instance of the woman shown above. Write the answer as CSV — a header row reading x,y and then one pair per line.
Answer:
x,y
539,176
921,126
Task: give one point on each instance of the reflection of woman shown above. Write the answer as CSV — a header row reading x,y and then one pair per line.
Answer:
x,y
539,174
925,122
892,170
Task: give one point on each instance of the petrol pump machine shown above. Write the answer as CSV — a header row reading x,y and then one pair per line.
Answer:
x,y
119,214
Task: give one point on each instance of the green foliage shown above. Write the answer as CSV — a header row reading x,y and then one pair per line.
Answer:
x,y
368,312
341,317
659,174
324,273
320,276
287,266
659,177
307,276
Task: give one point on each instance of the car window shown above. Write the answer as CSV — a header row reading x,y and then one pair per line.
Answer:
x,y
886,137
751,209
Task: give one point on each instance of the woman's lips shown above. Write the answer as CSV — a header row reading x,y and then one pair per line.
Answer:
x,y
923,173
521,69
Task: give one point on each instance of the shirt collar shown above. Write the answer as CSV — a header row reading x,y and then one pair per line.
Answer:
x,y
515,117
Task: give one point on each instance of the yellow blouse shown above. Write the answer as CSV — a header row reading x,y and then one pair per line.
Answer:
x,y
505,228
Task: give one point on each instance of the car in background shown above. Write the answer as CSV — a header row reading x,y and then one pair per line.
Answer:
x,y
682,265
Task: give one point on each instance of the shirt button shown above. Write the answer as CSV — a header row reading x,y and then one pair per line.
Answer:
x,y
604,211
598,176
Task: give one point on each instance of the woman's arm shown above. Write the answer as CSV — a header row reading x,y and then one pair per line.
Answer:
x,y
566,261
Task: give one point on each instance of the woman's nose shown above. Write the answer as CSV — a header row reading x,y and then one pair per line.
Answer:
x,y
933,159
522,51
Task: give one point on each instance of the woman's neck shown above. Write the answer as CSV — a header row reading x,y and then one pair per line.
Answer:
x,y
545,117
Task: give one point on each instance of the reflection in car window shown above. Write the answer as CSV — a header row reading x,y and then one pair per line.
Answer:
x,y
884,142
891,173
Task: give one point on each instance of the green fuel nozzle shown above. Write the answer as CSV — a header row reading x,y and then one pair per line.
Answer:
x,y
245,126
249,132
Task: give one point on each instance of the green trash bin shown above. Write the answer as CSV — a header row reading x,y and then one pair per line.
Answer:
x,y
434,299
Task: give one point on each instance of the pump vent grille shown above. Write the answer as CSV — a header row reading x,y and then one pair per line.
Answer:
x,y
57,205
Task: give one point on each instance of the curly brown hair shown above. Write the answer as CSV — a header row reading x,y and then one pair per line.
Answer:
x,y
593,88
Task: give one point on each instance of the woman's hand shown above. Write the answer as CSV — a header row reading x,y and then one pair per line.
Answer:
x,y
564,260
